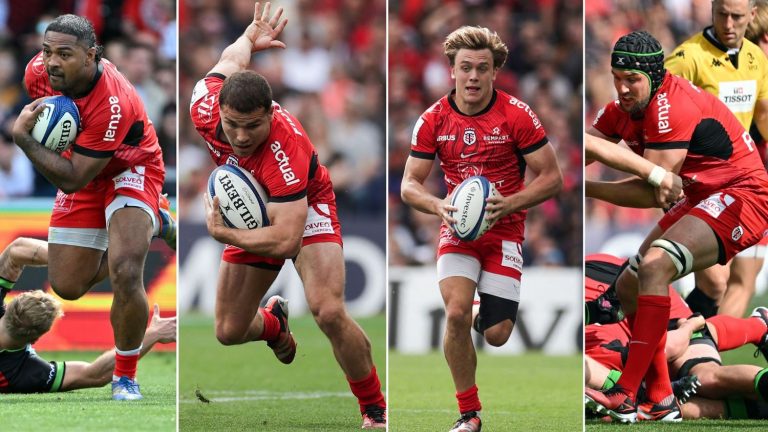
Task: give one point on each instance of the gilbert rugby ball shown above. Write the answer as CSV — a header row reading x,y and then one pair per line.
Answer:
x,y
56,127
469,197
242,200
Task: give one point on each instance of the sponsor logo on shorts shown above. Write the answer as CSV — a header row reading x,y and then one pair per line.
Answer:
x,y
512,255
63,202
737,233
447,238
318,220
132,178
715,204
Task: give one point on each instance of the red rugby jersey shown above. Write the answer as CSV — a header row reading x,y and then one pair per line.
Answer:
x,y
680,115
490,143
113,121
285,165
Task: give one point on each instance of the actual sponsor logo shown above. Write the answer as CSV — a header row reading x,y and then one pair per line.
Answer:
x,y
284,163
737,233
523,106
469,136
663,113
114,119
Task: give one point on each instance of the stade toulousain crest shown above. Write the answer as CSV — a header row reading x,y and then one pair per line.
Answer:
x,y
469,136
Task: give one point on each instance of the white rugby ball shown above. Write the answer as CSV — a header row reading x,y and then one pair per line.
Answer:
x,y
242,200
56,127
469,197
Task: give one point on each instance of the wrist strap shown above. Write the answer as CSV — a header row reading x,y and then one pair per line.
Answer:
x,y
657,176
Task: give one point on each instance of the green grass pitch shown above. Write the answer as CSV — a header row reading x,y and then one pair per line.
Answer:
x,y
529,392
93,409
250,389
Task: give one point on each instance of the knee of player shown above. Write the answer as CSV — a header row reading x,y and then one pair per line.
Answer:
x,y
329,315
499,334
229,334
125,271
458,316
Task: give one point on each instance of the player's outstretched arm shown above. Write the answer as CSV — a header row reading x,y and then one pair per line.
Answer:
x,y
633,192
548,182
669,184
413,192
99,373
281,239
261,34
69,175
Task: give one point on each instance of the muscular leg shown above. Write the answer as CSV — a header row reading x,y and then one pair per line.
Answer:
x,y
711,284
321,268
741,286
498,334
238,295
595,373
458,293
130,232
73,270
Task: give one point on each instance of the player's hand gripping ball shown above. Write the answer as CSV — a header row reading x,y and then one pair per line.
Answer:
x,y
56,127
469,197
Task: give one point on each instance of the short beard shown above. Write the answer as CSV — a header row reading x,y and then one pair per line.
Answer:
x,y
638,110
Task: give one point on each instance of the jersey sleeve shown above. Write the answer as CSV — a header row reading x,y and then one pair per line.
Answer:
x,y
423,142
606,120
529,133
682,63
204,106
36,78
286,169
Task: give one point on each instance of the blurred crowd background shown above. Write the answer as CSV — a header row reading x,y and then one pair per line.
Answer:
x,y
544,69
139,36
331,77
671,22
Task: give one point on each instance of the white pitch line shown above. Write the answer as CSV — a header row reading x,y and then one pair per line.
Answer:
x,y
260,395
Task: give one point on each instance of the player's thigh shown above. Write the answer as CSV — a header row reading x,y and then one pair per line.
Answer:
x,y
691,233
240,290
321,269
458,275
698,352
713,281
72,267
130,233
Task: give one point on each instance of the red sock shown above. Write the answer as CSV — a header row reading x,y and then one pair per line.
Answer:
x,y
368,391
271,328
650,326
735,332
657,379
468,400
125,365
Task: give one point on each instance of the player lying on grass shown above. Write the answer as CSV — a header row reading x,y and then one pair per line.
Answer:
x,y
691,348
31,314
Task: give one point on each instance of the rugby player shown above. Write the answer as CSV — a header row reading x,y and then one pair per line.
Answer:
x,y
479,130
109,184
233,110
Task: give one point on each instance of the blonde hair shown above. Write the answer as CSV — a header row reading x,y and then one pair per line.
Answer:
x,y
759,25
476,38
30,315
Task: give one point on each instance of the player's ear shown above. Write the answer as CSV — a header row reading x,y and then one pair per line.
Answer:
x,y
91,54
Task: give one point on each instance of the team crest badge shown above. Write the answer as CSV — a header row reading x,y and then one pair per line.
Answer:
x,y
469,136
736,233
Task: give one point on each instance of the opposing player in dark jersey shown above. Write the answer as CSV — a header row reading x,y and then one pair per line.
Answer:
x,y
479,130
233,110
686,130
109,184
31,314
